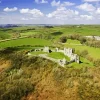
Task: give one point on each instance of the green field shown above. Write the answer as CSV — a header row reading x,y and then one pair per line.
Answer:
x,y
85,30
58,55
69,41
25,41
93,52
84,63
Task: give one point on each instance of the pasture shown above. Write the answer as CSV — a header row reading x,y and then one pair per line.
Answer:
x,y
93,52
25,41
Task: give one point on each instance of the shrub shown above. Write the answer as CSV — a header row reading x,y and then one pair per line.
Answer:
x,y
97,62
82,40
63,39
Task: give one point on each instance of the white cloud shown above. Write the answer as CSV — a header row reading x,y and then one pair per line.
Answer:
x,y
41,1
86,17
91,0
54,3
67,4
10,9
34,12
86,7
98,11
63,13
44,1
24,19
58,3
36,1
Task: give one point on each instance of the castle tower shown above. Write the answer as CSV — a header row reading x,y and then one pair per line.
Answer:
x,y
57,49
46,49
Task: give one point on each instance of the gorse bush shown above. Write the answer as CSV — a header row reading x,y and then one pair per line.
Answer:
x,y
15,89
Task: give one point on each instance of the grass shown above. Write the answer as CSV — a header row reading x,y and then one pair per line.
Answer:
x,y
25,41
73,41
58,55
84,63
38,52
83,30
93,52
4,35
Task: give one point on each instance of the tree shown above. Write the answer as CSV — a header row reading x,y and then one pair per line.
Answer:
x,y
82,40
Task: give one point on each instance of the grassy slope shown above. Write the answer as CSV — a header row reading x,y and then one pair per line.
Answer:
x,y
93,52
57,55
84,30
41,81
4,35
69,41
25,41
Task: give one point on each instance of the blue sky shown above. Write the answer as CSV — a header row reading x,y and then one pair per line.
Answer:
x,y
49,12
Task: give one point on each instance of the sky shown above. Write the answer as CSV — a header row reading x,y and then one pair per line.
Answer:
x,y
49,11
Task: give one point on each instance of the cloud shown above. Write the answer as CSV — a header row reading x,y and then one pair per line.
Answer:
x,y
0,1
34,12
54,3
25,19
86,17
91,0
10,9
86,7
36,1
63,13
58,3
98,11
44,1
41,1
67,4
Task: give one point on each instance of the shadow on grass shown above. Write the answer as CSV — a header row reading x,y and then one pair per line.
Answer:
x,y
57,33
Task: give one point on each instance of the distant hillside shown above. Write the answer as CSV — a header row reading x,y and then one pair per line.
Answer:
x,y
33,78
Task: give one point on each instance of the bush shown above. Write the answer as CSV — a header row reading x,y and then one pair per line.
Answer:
x,y
63,39
97,62
82,40
15,90
74,36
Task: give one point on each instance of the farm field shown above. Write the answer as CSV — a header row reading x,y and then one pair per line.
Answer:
x,y
25,41
93,52
85,30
